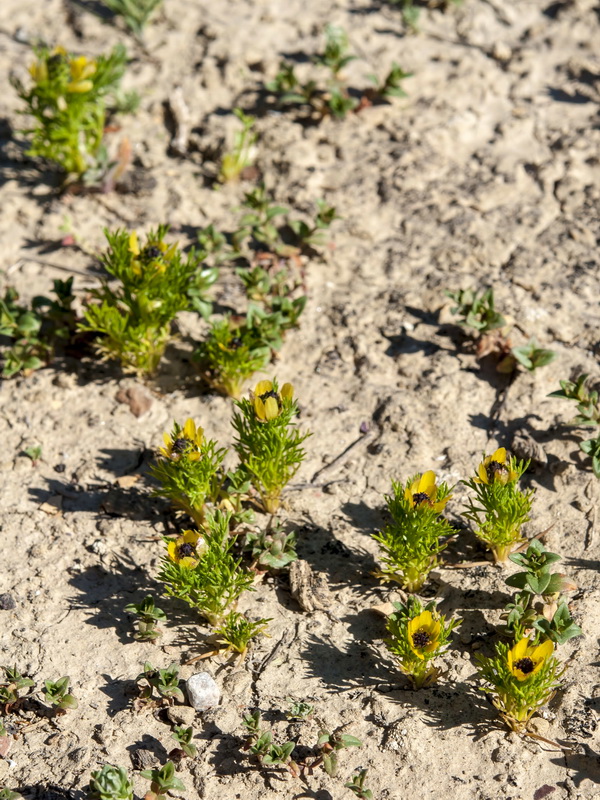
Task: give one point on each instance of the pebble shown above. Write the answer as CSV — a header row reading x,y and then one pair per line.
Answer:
x,y
181,715
203,692
7,602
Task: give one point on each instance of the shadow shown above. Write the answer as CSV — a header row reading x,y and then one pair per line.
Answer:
x,y
227,757
362,517
94,7
554,10
402,344
582,766
50,791
120,693
560,96
151,743
104,592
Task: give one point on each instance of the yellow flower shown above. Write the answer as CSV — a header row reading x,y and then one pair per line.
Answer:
x,y
187,549
423,491
267,402
524,660
495,469
423,634
81,71
187,442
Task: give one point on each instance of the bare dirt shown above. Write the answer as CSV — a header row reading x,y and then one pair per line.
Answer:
x,y
487,174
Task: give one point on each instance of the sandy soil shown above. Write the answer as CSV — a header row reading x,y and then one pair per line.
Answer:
x,y
486,174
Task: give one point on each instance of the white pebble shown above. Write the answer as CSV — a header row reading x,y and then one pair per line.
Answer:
x,y
203,692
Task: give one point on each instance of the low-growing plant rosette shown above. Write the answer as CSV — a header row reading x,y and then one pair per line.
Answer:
x,y
520,679
499,508
413,539
417,636
268,442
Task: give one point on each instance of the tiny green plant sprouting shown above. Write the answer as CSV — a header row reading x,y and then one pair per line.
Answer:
x,y
411,9
188,469
520,679
257,221
183,737
357,785
417,636
148,616
391,85
312,235
133,320
164,681
201,568
259,743
37,332
268,443
57,694
242,155
588,414
135,13
330,745
531,356
299,709
552,620
231,354
272,548
499,508
163,781
68,103
237,631
413,539
11,688
110,783
476,310
34,452
8,794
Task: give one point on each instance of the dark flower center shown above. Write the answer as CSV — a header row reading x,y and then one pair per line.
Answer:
x,y
421,639
235,343
185,550
525,665
179,446
495,468
420,497
266,395
151,253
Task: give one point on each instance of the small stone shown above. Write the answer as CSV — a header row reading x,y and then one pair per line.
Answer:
x,y
143,759
7,602
203,692
181,715
501,52
137,398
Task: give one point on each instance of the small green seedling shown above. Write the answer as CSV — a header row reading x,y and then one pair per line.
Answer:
x,y
553,620
588,414
257,222
413,539
11,689
271,549
183,737
163,781
34,453
57,694
268,443
7,794
164,681
331,744
417,636
133,319
67,100
135,13
531,356
477,310
148,616
244,146
299,710
499,508
312,235
411,9
335,55
37,332
357,785
237,631
110,783
260,744
202,569
391,86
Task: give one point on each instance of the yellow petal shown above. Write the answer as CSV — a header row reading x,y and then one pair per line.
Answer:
x,y
262,387
520,649
172,551
271,408
191,537
189,429
79,87
483,473
287,391
166,439
499,455
427,482
134,246
543,651
259,408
